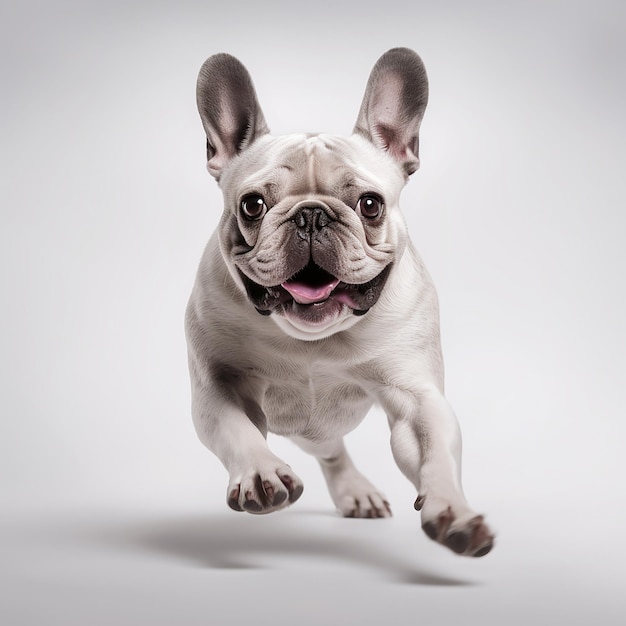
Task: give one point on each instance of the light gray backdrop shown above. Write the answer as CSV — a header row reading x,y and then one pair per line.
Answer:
x,y
114,513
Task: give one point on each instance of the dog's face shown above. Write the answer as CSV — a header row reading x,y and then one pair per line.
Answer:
x,y
311,226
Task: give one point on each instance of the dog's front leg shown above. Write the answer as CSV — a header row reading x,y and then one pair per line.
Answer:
x,y
426,445
234,430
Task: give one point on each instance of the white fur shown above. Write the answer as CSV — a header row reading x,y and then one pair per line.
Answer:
x,y
315,383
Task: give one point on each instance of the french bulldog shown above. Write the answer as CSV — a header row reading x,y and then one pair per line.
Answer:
x,y
311,304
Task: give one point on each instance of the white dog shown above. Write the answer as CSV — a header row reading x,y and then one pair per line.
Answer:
x,y
311,304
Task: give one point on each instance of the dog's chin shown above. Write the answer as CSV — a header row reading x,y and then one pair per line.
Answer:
x,y
313,304
315,321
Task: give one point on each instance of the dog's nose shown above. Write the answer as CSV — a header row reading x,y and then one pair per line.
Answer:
x,y
309,219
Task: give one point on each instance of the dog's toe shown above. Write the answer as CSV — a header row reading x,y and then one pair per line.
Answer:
x,y
368,506
294,486
233,498
481,538
458,541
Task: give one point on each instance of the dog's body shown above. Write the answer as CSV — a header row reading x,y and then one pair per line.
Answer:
x,y
311,305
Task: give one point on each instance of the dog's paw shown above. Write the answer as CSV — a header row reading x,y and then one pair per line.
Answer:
x,y
464,534
355,496
264,490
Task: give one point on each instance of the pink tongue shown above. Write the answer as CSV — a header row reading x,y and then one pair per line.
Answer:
x,y
309,294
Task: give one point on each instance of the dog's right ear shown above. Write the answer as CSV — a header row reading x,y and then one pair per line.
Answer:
x,y
230,111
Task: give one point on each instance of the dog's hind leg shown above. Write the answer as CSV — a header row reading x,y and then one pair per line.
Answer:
x,y
353,494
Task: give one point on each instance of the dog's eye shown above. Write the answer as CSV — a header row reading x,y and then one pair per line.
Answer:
x,y
370,206
253,206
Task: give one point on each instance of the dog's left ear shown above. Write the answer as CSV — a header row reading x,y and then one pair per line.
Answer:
x,y
230,111
393,106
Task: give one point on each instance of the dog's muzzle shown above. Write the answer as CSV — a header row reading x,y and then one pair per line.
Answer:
x,y
313,292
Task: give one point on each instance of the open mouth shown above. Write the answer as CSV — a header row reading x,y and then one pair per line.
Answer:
x,y
311,285
313,295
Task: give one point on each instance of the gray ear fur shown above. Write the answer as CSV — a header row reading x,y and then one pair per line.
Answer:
x,y
230,111
393,106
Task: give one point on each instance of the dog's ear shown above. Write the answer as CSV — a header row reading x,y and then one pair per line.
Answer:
x,y
393,106
230,111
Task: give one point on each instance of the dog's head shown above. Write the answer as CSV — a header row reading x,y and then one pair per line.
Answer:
x,y
311,226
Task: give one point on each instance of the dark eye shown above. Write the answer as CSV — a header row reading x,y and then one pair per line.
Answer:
x,y
370,206
253,206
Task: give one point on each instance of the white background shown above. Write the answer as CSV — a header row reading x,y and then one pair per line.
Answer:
x,y
113,511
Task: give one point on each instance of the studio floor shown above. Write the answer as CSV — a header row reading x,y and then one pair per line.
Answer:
x,y
180,565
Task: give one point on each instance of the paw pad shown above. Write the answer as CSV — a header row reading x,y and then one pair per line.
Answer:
x,y
472,539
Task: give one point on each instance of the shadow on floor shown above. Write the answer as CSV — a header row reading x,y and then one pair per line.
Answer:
x,y
231,541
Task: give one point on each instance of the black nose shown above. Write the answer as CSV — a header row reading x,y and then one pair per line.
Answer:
x,y
310,219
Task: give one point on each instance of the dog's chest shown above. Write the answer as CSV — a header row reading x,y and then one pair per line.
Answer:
x,y
314,405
